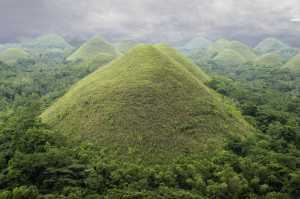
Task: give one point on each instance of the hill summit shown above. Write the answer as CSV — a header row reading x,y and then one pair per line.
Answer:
x,y
152,103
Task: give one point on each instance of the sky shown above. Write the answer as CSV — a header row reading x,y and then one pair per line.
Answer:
x,y
153,20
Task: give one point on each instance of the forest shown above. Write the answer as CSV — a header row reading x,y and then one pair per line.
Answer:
x,y
38,161
147,99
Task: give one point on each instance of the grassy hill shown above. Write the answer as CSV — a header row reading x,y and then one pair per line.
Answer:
x,y
269,59
150,104
293,64
228,57
12,55
92,49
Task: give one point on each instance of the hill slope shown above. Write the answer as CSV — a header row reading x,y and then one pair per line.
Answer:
x,y
147,104
96,47
12,55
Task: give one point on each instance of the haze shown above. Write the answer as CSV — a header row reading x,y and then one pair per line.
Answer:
x,y
152,20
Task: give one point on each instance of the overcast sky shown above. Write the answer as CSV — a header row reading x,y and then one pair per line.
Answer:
x,y
157,20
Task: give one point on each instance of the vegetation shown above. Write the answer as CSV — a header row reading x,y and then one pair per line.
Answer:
x,y
41,162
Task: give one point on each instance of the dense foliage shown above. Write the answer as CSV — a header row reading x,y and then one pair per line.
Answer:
x,y
39,162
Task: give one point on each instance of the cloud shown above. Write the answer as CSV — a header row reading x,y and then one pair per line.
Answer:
x,y
295,19
150,19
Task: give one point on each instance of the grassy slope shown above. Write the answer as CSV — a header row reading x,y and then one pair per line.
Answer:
x,y
147,105
269,59
12,55
93,48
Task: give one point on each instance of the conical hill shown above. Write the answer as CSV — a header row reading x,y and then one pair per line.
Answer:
x,y
150,104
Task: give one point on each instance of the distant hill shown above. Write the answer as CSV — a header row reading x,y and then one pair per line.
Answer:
x,y
293,64
275,45
124,45
197,43
94,48
150,104
12,55
48,41
270,45
269,59
232,49
229,57
243,49
217,46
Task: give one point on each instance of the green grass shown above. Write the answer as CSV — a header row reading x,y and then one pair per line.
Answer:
x,y
93,49
12,55
150,104
269,59
229,57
